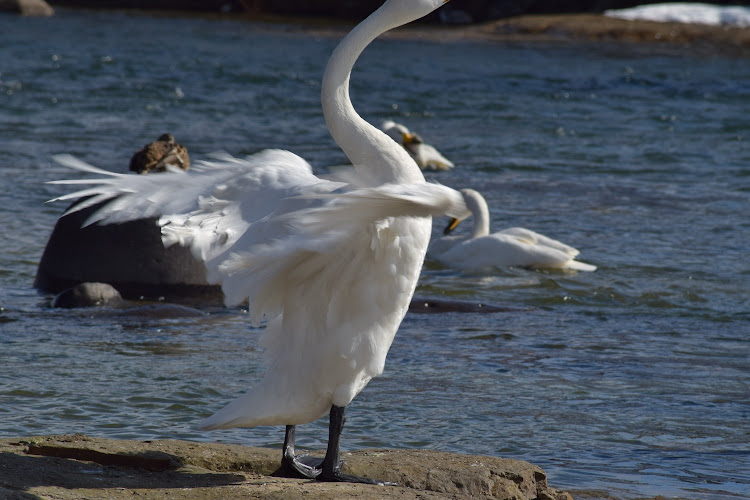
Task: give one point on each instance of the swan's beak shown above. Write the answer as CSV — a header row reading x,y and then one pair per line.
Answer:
x,y
409,138
451,226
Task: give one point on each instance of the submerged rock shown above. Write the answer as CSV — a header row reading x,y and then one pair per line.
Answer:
x,y
88,295
84,467
160,311
432,305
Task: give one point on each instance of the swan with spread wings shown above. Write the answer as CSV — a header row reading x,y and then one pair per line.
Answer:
x,y
328,267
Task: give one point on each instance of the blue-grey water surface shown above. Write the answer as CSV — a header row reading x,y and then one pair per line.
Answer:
x,y
632,380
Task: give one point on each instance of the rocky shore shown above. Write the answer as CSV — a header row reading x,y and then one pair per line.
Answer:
x,y
525,24
82,467
596,27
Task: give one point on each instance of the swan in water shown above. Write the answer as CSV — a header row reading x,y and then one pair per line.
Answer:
x,y
426,156
330,267
516,246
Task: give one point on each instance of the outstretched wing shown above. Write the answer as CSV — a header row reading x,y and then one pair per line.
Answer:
x,y
254,220
324,233
206,209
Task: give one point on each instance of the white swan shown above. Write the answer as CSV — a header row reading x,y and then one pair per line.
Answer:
x,y
426,156
510,247
331,269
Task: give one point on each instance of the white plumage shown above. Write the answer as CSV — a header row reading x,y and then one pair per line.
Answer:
x,y
330,268
516,246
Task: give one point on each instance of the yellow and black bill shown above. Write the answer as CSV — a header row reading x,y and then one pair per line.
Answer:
x,y
451,226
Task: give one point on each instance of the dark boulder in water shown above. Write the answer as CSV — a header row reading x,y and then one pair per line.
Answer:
x,y
129,256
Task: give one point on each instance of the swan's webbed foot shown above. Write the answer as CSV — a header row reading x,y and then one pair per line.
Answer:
x,y
337,476
301,466
332,463
327,469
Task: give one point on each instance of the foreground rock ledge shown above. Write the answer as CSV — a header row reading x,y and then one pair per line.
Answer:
x,y
82,467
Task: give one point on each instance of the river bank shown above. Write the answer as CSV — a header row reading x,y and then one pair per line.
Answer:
x,y
554,28
557,27
575,28
596,27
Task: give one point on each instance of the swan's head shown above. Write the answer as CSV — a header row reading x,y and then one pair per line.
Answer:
x,y
395,131
410,10
401,134
474,203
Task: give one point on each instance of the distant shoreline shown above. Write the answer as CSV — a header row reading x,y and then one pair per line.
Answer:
x,y
527,28
565,28
597,27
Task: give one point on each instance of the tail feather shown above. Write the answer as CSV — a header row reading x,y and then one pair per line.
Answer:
x,y
580,266
281,398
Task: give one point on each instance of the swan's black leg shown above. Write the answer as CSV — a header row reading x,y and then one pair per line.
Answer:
x,y
332,463
303,466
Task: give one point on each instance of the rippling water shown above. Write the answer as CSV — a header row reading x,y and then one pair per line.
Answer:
x,y
633,380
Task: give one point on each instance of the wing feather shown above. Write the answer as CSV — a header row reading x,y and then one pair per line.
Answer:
x,y
256,221
324,230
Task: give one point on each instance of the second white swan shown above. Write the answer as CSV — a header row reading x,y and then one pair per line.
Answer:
x,y
516,246
426,156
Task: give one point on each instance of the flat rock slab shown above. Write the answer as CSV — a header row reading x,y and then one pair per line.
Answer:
x,y
82,467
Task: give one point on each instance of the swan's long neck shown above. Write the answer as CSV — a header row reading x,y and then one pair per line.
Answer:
x,y
366,146
481,214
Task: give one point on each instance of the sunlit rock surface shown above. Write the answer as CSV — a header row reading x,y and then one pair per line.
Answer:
x,y
83,467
